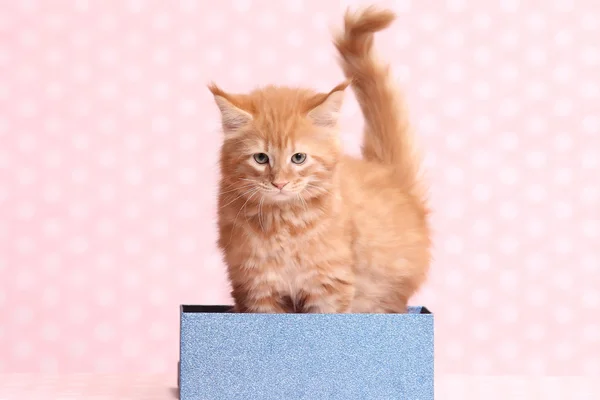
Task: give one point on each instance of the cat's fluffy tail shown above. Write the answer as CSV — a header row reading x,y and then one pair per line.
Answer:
x,y
387,135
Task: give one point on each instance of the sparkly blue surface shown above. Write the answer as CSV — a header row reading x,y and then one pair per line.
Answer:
x,y
227,356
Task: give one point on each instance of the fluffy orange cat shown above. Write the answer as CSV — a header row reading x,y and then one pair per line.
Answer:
x,y
305,228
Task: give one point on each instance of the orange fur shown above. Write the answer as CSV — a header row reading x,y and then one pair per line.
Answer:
x,y
344,234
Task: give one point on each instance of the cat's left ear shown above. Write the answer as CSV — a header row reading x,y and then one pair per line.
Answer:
x,y
326,111
233,116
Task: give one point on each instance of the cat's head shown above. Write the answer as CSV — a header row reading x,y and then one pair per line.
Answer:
x,y
280,144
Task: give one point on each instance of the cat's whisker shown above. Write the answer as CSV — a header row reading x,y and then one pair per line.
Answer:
x,y
260,204
240,196
236,189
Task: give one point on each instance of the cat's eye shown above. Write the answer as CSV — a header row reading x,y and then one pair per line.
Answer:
x,y
261,158
299,158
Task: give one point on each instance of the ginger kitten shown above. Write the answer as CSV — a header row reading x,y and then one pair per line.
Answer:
x,y
305,228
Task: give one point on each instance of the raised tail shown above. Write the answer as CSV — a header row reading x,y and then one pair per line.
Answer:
x,y
387,135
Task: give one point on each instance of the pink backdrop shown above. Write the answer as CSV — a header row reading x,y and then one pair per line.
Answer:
x,y
108,150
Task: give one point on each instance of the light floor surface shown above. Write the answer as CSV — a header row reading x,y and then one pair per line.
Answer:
x,y
163,387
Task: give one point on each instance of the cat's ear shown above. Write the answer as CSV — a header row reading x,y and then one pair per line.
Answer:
x,y
326,111
233,117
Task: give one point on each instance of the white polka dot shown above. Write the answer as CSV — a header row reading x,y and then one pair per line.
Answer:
x,y
161,90
563,210
536,297
481,227
428,90
536,159
454,278
563,315
453,107
508,175
454,175
454,350
402,38
161,21
536,193
510,5
454,73
481,298
51,228
508,108
321,56
427,124
591,228
132,211
482,55
50,297
161,159
294,74
107,22
563,176
482,192
160,228
187,210
589,159
509,38
564,5
161,124
22,349
427,56
50,332
79,175
401,6
132,245
590,194
241,73
25,245
134,176
23,314
158,262
509,210
161,56
535,228
509,141
80,141
535,331
187,107
25,211
79,244
133,142
536,90
509,314
591,332
562,73
24,280
157,297
295,38
104,332
77,348
454,245
187,245
105,297
105,262
428,22
27,108
187,176
78,313
135,6
131,348
456,5
481,331
131,314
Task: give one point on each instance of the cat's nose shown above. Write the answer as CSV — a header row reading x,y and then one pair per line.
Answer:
x,y
279,185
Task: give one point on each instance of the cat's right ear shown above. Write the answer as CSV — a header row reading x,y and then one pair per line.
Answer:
x,y
232,117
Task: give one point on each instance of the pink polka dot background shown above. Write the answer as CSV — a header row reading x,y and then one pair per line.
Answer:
x,y
109,143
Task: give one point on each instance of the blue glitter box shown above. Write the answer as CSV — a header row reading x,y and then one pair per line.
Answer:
x,y
229,356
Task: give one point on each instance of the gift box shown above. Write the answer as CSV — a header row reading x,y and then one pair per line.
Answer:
x,y
233,356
